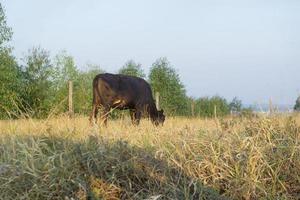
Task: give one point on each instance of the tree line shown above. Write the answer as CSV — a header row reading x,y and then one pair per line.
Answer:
x,y
37,86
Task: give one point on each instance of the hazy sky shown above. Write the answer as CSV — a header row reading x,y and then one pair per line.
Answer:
x,y
244,48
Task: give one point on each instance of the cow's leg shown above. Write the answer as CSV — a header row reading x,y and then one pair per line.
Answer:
x,y
104,115
133,117
93,116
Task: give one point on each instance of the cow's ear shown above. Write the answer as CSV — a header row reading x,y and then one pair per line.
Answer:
x,y
162,110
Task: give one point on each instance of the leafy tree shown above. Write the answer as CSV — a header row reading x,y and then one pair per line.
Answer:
x,y
10,73
297,105
221,105
202,107
10,85
5,31
235,105
64,70
133,69
205,106
164,79
84,96
38,74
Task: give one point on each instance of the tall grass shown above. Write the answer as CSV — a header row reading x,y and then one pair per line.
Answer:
x,y
62,158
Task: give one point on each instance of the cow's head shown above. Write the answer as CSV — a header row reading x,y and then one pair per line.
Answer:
x,y
160,117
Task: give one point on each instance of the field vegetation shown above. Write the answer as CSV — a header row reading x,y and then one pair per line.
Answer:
x,y
200,152
187,158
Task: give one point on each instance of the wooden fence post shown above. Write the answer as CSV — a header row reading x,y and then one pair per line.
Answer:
x,y
157,100
271,107
71,111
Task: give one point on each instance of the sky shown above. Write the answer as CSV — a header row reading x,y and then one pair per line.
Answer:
x,y
244,48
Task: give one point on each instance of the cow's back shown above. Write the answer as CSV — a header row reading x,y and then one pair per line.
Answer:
x,y
111,87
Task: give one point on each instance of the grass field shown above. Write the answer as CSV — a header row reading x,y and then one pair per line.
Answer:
x,y
62,158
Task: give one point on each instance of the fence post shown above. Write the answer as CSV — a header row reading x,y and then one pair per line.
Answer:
x,y
71,111
157,100
271,106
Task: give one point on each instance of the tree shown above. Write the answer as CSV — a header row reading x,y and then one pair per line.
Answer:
x,y
235,105
10,85
64,70
5,31
133,69
297,105
221,105
84,96
164,79
10,73
38,74
205,106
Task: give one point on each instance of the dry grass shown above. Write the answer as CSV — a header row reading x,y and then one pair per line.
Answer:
x,y
63,158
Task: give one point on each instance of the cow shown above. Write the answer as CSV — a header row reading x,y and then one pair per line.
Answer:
x,y
117,91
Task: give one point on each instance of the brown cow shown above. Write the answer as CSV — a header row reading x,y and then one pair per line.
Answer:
x,y
124,92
